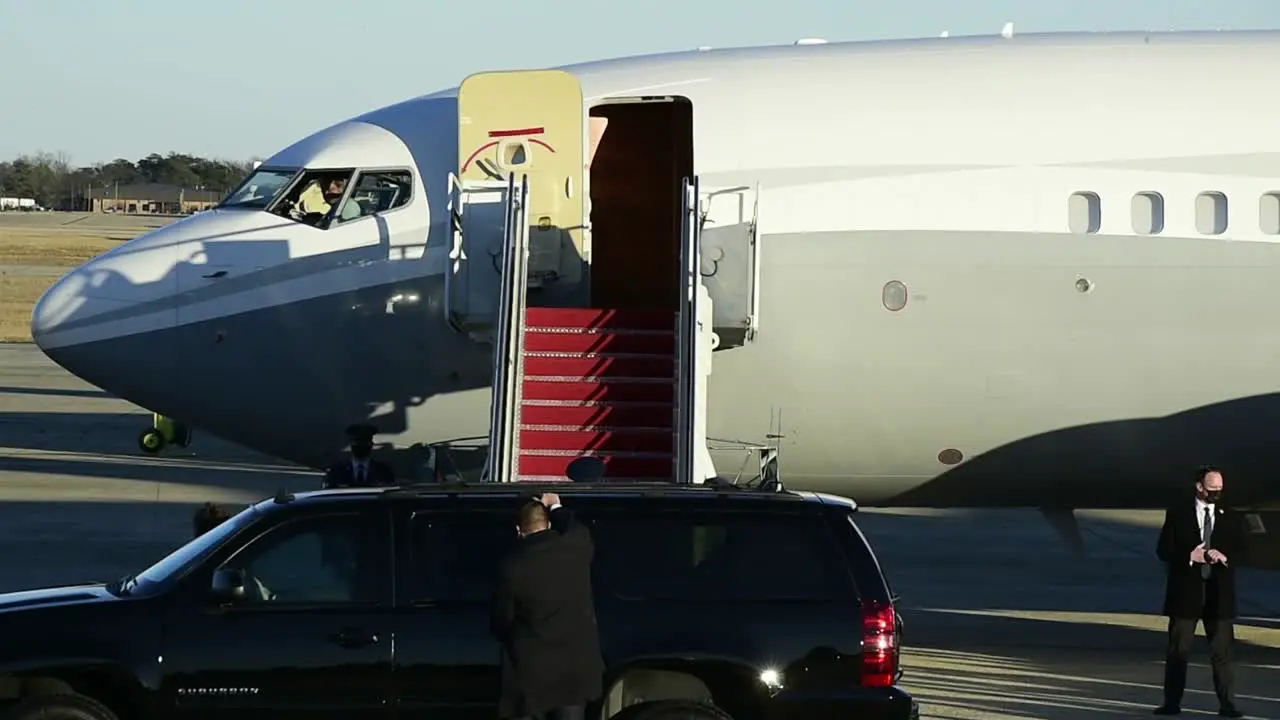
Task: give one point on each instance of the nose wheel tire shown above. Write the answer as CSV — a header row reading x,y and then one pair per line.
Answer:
x,y
151,441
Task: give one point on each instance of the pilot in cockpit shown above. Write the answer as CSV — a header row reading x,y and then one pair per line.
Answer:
x,y
318,198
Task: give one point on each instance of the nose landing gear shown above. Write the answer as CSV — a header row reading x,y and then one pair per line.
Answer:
x,y
163,432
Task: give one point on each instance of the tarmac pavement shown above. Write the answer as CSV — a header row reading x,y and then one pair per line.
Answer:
x,y
1001,620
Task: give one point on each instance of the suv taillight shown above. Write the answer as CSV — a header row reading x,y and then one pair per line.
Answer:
x,y
879,644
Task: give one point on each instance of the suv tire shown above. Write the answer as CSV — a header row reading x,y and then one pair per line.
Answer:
x,y
57,707
672,710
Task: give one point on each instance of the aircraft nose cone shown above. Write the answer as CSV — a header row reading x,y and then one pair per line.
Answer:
x,y
93,321
55,306
63,319
55,309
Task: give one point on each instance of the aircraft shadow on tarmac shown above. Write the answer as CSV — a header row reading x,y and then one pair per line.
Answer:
x,y
55,392
110,433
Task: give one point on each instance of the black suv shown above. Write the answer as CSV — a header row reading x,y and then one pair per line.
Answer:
x,y
373,603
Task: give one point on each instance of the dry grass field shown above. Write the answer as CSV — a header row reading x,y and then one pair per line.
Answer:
x,y
37,248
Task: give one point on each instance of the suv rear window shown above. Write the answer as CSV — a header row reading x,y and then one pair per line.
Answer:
x,y
726,556
647,554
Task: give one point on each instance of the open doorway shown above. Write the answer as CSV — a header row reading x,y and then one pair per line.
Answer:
x,y
642,151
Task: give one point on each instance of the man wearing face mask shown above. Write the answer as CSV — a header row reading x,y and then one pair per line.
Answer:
x,y
1200,542
361,470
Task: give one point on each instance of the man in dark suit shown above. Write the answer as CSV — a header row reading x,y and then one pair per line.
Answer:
x,y
360,470
544,617
1200,543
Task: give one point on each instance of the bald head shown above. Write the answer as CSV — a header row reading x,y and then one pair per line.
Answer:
x,y
533,518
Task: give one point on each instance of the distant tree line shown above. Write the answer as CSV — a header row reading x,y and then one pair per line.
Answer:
x,y
52,181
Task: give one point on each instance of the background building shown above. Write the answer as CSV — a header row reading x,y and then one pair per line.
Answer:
x,y
150,199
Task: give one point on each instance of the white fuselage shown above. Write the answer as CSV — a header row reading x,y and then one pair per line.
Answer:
x,y
1053,351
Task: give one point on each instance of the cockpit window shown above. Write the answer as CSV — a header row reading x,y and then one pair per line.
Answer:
x,y
377,191
260,189
313,197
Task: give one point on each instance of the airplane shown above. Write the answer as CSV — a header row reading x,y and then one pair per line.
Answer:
x,y
989,271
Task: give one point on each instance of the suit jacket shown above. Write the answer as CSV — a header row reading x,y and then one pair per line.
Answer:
x,y
1187,595
544,618
340,475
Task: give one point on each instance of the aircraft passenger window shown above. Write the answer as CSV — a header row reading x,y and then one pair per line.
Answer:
x,y
311,200
1211,213
1084,213
377,192
1269,213
326,560
1147,210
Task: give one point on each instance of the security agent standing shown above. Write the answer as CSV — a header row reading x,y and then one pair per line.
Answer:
x,y
544,617
1200,541
360,470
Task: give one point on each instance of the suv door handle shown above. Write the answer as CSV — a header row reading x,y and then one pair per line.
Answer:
x,y
353,638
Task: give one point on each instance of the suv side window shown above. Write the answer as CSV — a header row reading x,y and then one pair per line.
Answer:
x,y
454,556
727,555
325,560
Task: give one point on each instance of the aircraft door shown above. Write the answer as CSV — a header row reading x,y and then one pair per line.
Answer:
x,y
531,123
731,260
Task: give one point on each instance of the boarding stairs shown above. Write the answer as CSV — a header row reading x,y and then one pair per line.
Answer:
x,y
628,386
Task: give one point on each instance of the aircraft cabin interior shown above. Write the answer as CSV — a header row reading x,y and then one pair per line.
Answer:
x,y
642,151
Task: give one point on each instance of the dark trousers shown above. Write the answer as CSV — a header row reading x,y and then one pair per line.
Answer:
x,y
569,712
1182,632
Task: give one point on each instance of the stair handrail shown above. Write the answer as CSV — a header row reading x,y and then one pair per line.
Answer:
x,y
687,333
508,347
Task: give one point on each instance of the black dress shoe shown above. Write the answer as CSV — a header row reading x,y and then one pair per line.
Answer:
x,y
1230,712
1168,710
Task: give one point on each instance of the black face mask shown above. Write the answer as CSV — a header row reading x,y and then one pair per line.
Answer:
x,y
1212,496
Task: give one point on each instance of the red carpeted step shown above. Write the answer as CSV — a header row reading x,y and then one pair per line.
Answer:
x,y
616,468
629,440
598,318
608,415
656,366
599,342
611,391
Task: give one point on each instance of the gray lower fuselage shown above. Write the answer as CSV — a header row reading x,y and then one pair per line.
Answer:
x,y
1062,373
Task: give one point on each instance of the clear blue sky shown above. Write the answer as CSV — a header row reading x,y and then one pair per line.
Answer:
x,y
237,78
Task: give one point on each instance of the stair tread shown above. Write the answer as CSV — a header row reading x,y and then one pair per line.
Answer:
x,y
597,331
573,427
527,478
642,367
618,466
603,453
598,355
632,319
629,440
576,389
620,404
598,415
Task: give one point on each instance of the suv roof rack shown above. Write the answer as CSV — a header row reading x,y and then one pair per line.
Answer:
x,y
714,485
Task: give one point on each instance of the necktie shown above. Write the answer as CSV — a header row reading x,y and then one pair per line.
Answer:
x,y
1205,533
